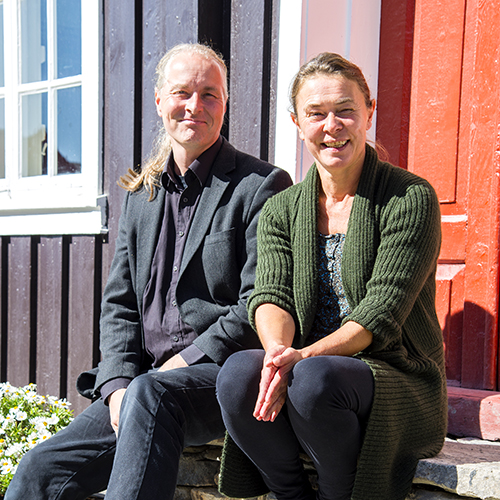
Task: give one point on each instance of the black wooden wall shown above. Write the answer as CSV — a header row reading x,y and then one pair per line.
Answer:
x,y
50,287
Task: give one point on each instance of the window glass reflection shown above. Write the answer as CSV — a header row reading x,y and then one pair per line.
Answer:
x,y
34,151
33,40
69,130
69,38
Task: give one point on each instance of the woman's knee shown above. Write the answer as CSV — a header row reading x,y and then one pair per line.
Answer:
x,y
238,379
330,382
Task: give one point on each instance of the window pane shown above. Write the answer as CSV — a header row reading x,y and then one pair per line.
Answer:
x,y
2,138
34,126
69,38
33,40
69,130
2,78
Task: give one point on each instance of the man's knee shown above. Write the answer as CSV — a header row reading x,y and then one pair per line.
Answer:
x,y
143,390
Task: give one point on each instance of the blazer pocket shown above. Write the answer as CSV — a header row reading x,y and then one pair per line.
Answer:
x,y
220,264
220,237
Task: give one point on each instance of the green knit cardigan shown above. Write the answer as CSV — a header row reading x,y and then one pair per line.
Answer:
x,y
388,273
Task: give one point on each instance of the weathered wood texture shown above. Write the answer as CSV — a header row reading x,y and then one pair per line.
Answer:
x,y
50,306
250,83
51,287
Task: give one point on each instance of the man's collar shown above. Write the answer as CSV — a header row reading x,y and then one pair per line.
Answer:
x,y
200,167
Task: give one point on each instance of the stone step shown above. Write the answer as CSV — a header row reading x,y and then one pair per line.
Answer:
x,y
465,468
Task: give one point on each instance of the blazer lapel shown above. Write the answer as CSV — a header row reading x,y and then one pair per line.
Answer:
x,y
149,224
214,188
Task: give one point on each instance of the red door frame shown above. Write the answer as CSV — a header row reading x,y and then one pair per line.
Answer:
x,y
439,115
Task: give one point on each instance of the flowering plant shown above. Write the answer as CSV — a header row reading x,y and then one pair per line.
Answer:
x,y
26,419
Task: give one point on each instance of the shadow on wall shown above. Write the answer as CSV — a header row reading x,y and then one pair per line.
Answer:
x,y
472,412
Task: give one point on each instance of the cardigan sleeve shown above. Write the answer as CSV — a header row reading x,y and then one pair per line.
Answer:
x,y
274,273
405,261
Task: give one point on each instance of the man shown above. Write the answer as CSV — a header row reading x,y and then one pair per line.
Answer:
x,y
174,307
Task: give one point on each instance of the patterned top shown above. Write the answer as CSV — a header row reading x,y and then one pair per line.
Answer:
x,y
332,303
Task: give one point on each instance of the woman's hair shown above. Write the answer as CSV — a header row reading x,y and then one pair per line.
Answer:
x,y
329,64
148,176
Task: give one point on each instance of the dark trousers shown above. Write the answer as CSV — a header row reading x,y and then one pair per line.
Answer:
x,y
161,413
328,403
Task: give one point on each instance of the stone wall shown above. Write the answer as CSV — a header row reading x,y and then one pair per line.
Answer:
x,y
464,470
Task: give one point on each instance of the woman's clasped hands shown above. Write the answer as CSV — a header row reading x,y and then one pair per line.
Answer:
x,y
278,362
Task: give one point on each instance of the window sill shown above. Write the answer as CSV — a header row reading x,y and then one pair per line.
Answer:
x,y
78,221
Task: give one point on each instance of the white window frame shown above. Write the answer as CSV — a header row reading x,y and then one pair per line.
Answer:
x,y
53,204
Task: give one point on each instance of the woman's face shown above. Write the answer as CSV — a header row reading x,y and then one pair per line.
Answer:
x,y
332,120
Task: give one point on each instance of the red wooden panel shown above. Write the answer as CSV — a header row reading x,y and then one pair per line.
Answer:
x,y
435,101
18,311
478,152
49,310
81,314
394,79
449,306
454,143
454,231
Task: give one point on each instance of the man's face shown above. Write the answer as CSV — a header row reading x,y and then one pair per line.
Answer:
x,y
192,103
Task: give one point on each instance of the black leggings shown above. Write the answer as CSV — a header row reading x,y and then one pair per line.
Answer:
x,y
328,404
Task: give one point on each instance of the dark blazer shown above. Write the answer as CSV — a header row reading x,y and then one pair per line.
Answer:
x,y
217,270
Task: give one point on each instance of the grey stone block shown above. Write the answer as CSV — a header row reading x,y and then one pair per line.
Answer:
x,y
421,494
465,469
194,472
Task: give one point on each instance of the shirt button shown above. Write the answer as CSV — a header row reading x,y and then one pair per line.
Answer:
x,y
181,233
174,303
175,338
175,269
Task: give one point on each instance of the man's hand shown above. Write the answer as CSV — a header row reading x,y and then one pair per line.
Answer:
x,y
115,403
176,361
115,399
278,362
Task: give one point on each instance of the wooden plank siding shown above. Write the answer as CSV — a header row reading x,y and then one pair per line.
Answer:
x,y
51,287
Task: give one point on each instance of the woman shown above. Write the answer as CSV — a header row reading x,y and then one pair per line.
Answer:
x,y
352,370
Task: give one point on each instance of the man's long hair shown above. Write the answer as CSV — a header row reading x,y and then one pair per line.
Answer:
x,y
149,175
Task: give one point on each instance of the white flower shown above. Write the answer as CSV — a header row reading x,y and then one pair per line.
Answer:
x,y
53,420
43,436
11,469
40,423
13,449
6,466
8,419
26,419
20,415
61,403
32,440
31,397
6,387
